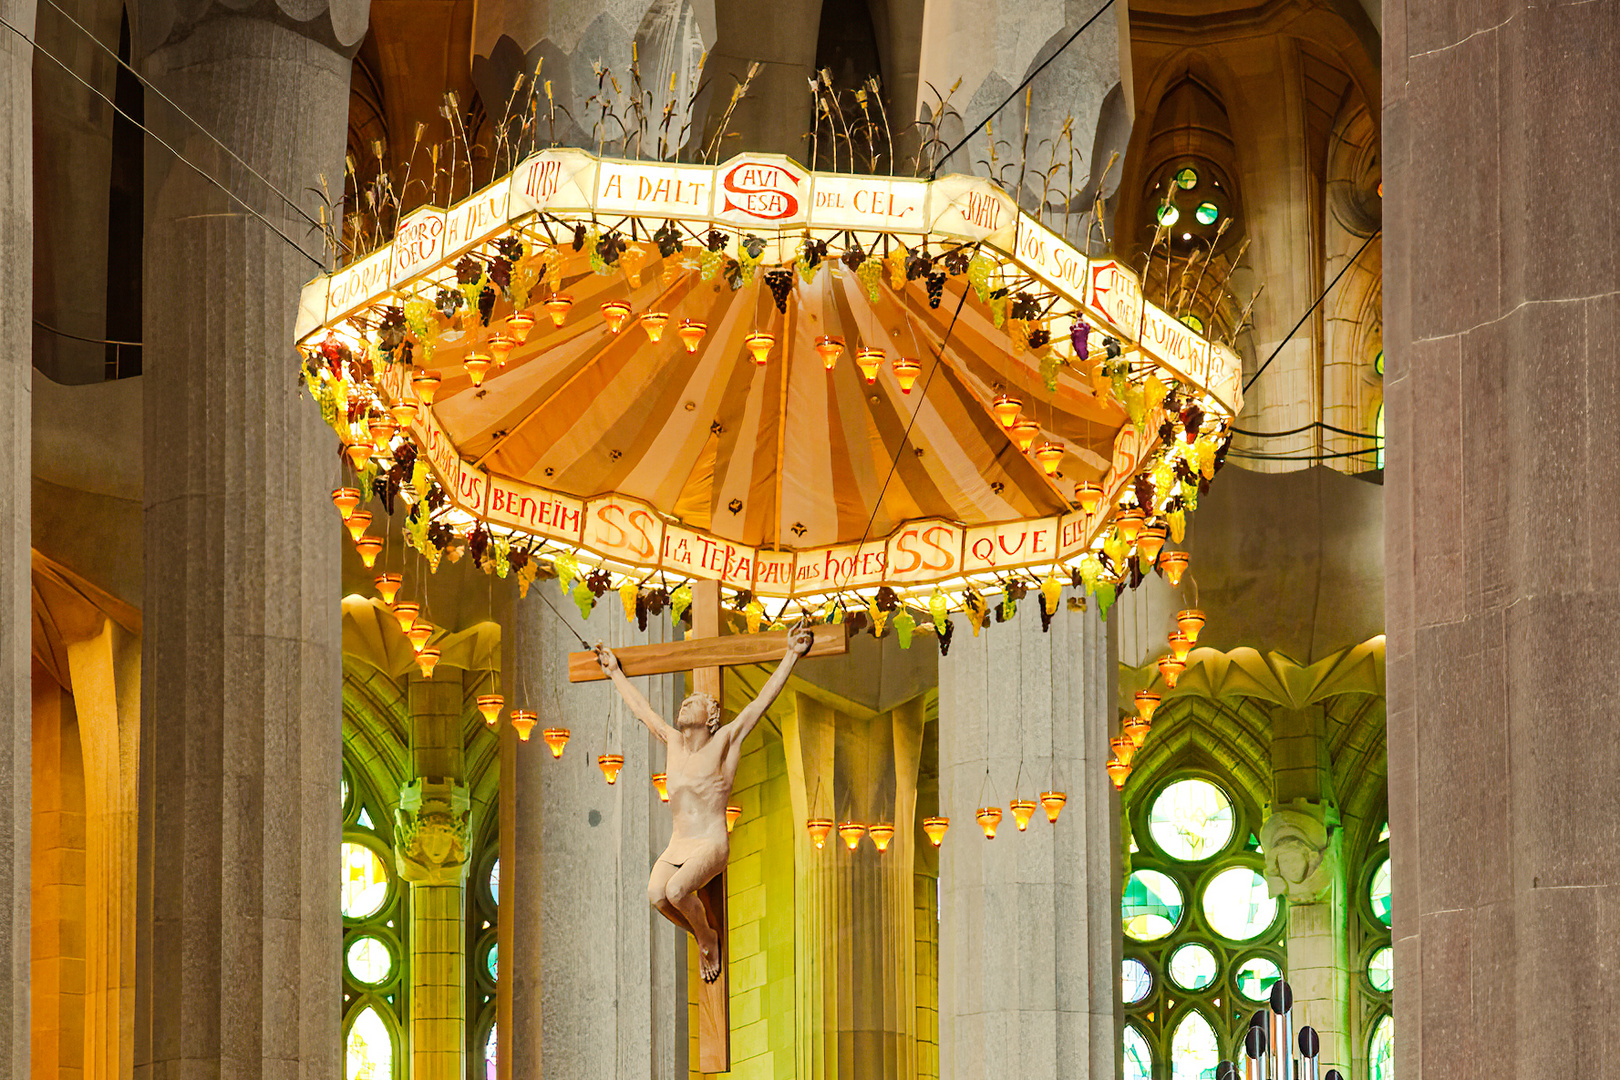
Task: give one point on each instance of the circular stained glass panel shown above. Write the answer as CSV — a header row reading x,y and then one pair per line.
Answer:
x,y
1381,969
492,961
1152,905
1237,905
1138,1059
1191,820
1168,216
369,960
1256,977
1187,178
364,881
368,1051
1194,1050
1193,967
1134,981
1207,213
1378,892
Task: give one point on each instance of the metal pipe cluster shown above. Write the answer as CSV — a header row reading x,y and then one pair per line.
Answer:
x,y
1269,1053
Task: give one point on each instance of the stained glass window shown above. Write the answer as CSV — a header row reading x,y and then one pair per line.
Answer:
x,y
492,961
1255,978
1381,969
1191,820
364,881
1379,423
1383,833
1237,905
1194,1051
1193,967
1134,981
1193,323
495,881
1187,178
489,1054
1152,905
1381,1050
369,961
1207,213
1378,892
369,1051
1138,1059
1168,215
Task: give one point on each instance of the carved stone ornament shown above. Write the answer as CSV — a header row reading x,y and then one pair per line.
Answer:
x,y
431,830
1299,864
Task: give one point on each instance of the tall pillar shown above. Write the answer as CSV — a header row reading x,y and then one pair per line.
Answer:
x,y
16,374
237,961
588,997
1500,391
855,930
431,840
1029,933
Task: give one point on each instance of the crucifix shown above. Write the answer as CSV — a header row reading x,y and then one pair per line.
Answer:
x,y
688,883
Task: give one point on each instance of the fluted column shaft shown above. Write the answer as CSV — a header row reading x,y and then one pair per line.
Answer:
x,y
237,942
1029,922
16,380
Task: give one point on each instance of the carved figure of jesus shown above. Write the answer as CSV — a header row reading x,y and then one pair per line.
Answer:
x,y
702,766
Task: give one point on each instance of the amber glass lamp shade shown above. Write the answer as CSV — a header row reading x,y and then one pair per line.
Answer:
x,y
556,738
500,347
1147,702
1052,802
1089,496
359,451
477,365
406,612
1118,772
869,360
557,305
615,313
1130,523
404,413
906,370
523,721
388,586
653,322
1006,407
1149,542
1180,645
1124,747
691,333
427,660
882,834
1022,811
660,782
818,828
829,348
381,429
733,814
935,827
1136,729
1190,622
369,548
426,384
1170,669
346,499
489,706
359,521
989,817
1050,455
521,322
1024,433
1174,564
850,832
759,345
610,764
419,633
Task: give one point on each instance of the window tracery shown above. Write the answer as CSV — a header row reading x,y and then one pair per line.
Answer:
x,y
372,904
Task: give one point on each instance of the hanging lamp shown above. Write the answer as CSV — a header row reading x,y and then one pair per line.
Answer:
x,y
906,370
989,817
733,814
557,305
1190,622
850,832
523,721
521,322
936,827
1024,433
882,833
369,548
477,366
388,586
660,783
1149,542
818,828
426,384
404,413
829,348
1136,729
653,322
1180,646
490,706
1052,802
1124,747
556,738
346,499
869,359
500,348
1174,564
1006,407
406,612
1050,455
759,345
1170,670
1089,496
428,659
691,332
610,764
419,633
1147,702
1130,523
1022,811
1118,772
615,313
358,521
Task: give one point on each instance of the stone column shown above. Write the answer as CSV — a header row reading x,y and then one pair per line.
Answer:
x,y
16,369
237,958
431,838
1500,392
855,931
1029,934
587,997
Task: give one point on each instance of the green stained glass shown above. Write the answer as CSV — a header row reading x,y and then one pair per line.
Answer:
x,y
1378,892
1194,1050
1237,905
1193,967
491,961
1191,820
1138,1059
365,819
368,1051
1256,977
1168,216
369,960
1378,362
1152,905
1194,323
1134,981
1381,969
1187,178
364,881
1383,833
1381,1051
1207,213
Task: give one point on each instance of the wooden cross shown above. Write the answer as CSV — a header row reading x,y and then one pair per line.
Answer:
x,y
704,653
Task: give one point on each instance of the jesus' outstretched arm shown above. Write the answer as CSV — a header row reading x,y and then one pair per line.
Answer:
x,y
632,697
739,729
